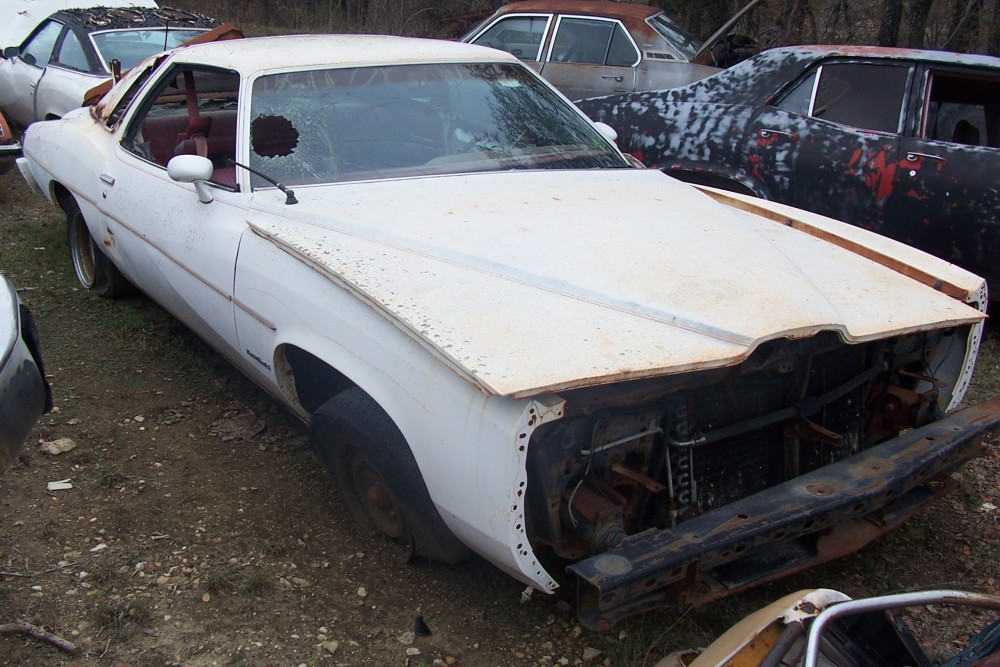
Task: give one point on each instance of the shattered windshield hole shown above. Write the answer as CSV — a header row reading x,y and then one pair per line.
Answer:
x,y
273,136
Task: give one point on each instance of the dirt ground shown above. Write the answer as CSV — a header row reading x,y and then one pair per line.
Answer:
x,y
200,530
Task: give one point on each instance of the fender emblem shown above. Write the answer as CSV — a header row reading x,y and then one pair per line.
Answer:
x,y
258,360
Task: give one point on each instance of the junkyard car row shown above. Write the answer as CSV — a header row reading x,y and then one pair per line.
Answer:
x,y
682,396
55,51
902,142
597,48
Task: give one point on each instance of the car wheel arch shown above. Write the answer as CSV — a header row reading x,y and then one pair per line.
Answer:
x,y
338,405
95,271
729,182
378,476
61,195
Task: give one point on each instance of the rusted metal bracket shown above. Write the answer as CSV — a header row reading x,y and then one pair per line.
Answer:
x,y
805,429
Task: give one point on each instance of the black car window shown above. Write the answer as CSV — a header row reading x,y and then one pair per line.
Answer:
x,y
798,100
963,109
71,54
519,36
582,41
38,49
622,52
863,95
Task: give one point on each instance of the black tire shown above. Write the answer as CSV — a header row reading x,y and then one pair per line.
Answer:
x,y
92,267
378,477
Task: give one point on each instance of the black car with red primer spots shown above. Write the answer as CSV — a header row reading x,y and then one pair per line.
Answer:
x,y
899,141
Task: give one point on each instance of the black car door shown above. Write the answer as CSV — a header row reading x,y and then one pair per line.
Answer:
x,y
830,144
946,198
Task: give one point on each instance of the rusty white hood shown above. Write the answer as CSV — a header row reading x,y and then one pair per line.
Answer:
x,y
527,282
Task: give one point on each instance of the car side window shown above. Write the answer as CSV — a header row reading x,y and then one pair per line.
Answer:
x,y
622,52
592,42
38,49
963,109
519,36
863,95
193,112
799,99
71,54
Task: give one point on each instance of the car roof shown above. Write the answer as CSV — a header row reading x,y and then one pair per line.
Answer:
x,y
94,19
23,16
302,51
814,52
587,7
756,80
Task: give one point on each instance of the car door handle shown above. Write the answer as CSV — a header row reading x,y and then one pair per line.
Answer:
x,y
107,178
617,77
766,133
913,156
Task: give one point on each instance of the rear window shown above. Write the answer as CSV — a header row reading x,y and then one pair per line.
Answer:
x,y
130,47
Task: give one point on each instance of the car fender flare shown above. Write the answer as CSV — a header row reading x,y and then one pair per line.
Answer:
x,y
739,182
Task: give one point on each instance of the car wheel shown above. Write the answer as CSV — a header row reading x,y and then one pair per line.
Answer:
x,y
378,477
92,267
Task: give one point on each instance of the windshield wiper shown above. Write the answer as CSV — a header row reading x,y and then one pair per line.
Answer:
x,y
289,194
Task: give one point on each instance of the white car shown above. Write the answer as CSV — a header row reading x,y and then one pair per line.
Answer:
x,y
505,337
55,51
24,392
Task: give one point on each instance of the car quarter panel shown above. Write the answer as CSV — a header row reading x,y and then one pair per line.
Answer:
x,y
660,74
700,137
62,157
842,172
61,90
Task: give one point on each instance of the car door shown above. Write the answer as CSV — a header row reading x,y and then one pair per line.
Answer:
x,y
20,73
521,35
946,200
591,56
830,144
69,75
181,252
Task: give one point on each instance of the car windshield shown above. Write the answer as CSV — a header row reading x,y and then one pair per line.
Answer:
x,y
349,124
130,47
682,40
